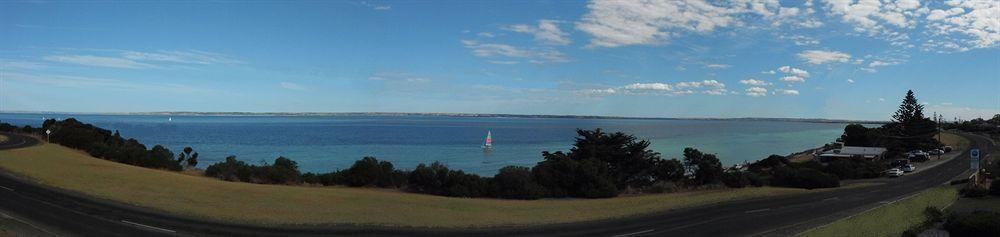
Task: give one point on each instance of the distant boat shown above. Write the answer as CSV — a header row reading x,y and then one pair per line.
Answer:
x,y
169,119
488,144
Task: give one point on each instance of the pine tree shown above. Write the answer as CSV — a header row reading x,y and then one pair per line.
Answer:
x,y
910,110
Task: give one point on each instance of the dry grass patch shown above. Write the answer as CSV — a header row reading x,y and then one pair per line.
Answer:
x,y
3,138
955,141
203,197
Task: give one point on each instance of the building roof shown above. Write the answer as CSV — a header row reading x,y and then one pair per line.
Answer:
x,y
855,151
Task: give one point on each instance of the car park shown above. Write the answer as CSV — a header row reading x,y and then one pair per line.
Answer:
x,y
894,172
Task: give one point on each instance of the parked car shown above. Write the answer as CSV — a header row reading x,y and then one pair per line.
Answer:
x,y
947,148
936,152
917,153
894,172
908,168
900,162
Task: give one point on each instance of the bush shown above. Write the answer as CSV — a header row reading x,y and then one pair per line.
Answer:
x,y
854,168
566,177
706,167
736,179
973,192
807,178
978,223
101,143
515,182
230,170
372,172
995,188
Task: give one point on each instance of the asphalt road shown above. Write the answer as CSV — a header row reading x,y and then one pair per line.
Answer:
x,y
68,212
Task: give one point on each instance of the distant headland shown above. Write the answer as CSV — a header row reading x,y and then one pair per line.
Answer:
x,y
474,115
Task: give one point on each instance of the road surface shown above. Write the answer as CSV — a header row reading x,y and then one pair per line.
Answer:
x,y
69,212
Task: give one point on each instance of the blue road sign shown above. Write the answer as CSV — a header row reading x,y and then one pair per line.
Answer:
x,y
974,165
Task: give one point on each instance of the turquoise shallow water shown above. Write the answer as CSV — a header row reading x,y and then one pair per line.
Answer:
x,y
326,143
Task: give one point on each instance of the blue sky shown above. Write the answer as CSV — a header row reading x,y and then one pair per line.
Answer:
x,y
750,58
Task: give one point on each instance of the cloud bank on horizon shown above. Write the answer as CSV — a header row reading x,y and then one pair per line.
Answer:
x,y
693,58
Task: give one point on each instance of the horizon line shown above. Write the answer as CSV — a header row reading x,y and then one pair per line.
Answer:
x,y
447,114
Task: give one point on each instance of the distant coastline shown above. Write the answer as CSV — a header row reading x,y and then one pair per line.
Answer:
x,y
474,115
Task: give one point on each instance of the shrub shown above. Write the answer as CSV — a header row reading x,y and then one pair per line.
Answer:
x,y
995,188
437,179
706,167
854,168
230,170
515,182
807,178
661,187
736,179
565,177
372,172
973,192
978,223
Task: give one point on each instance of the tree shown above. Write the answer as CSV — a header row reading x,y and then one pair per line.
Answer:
x,y
910,129
706,168
193,160
857,135
909,110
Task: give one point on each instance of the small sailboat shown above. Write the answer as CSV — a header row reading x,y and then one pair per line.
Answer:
x,y
170,119
488,144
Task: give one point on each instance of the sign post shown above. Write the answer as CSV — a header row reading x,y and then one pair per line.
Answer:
x,y
974,166
47,133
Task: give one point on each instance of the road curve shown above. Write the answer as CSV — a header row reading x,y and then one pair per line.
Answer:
x,y
779,216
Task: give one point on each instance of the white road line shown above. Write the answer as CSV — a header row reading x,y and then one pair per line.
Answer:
x,y
146,226
830,199
4,215
635,233
8,189
758,210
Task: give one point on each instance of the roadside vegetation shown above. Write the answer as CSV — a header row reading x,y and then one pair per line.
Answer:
x,y
238,202
893,219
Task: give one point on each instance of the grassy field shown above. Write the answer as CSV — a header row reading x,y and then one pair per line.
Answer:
x,y
955,141
889,220
277,204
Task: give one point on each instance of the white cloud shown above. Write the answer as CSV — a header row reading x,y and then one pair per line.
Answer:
x,y
186,57
879,63
794,71
547,32
756,91
801,40
614,23
755,82
102,83
881,99
712,87
850,81
975,19
398,77
649,86
787,91
821,56
872,15
486,34
99,61
291,86
793,79
490,50
718,65
6,64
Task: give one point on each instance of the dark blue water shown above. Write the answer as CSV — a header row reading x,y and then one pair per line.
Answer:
x,y
326,143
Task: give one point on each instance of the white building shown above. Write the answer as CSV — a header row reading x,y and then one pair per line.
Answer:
x,y
872,153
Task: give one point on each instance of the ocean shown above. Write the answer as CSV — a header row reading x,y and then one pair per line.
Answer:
x,y
327,143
